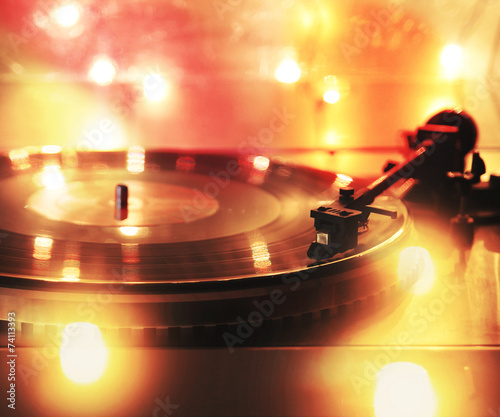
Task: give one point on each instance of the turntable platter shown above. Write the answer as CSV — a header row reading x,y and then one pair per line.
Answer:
x,y
198,224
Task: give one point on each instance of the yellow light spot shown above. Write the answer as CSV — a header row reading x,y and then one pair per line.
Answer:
x,y
288,71
155,87
52,177
83,353
404,389
129,230
42,249
67,15
136,159
71,270
51,149
331,138
102,71
307,19
331,96
20,159
416,266
261,163
261,256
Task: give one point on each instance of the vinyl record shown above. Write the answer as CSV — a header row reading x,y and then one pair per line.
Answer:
x,y
205,240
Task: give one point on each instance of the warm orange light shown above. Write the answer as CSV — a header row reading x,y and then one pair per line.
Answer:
x,y
331,96
155,87
67,15
404,389
416,266
288,71
83,353
20,159
136,159
102,71
332,138
51,149
129,230
42,249
261,163
261,256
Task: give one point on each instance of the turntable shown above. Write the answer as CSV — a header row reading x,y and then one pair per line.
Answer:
x,y
209,210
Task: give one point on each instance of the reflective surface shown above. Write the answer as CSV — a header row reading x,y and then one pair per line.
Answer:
x,y
227,217
192,280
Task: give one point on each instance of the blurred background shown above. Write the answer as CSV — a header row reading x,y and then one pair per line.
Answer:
x,y
232,74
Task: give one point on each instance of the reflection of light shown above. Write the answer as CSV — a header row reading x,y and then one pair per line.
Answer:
x,y
185,164
67,15
135,159
83,353
288,71
42,249
19,159
52,177
51,149
261,163
130,253
71,270
331,96
415,265
102,71
71,274
260,255
404,389
155,87
342,180
129,230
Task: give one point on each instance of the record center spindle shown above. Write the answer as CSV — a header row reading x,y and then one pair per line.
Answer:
x,y
121,202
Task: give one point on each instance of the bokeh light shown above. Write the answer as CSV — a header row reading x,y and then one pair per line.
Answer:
x,y
288,71
83,353
155,87
451,61
67,15
451,57
404,389
52,177
102,71
416,266
331,96
51,149
261,163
